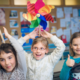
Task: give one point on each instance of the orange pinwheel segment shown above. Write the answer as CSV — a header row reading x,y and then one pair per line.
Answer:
x,y
29,17
46,9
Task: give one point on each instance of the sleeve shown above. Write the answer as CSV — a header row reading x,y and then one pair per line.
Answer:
x,y
21,42
65,72
55,56
20,56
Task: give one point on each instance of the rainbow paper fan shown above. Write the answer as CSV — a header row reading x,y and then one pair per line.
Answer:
x,y
38,14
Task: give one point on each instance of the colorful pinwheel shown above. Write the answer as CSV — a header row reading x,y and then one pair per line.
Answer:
x,y
38,14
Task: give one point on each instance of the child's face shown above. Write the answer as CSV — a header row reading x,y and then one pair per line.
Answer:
x,y
7,61
76,46
39,51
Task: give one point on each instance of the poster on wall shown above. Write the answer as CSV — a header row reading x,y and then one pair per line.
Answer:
x,y
54,19
14,33
13,24
24,23
2,17
4,37
13,14
53,29
68,24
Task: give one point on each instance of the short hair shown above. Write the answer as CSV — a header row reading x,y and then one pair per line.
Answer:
x,y
8,48
75,35
41,39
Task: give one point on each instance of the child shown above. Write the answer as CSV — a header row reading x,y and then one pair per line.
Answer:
x,y
39,65
12,60
71,67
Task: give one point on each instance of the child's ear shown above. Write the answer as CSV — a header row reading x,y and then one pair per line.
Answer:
x,y
31,49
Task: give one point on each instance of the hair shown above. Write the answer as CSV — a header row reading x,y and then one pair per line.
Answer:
x,y
41,39
75,35
8,48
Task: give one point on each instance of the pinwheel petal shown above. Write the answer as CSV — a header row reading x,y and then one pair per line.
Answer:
x,y
29,17
31,8
43,24
46,9
35,23
48,17
39,4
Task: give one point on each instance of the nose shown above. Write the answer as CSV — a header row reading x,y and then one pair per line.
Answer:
x,y
6,62
38,50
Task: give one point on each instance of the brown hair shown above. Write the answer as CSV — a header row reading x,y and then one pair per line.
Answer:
x,y
75,35
41,39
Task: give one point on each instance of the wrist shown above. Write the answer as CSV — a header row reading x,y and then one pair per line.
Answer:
x,y
26,37
50,35
8,36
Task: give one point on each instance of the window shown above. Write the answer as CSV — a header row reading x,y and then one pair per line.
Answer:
x,y
47,2
72,2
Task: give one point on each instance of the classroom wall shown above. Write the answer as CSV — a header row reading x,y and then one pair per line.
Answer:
x,y
24,9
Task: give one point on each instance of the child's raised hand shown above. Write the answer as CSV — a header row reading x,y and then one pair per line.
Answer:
x,y
6,33
70,62
33,34
46,34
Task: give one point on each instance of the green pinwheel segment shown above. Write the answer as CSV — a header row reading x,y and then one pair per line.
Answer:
x,y
35,23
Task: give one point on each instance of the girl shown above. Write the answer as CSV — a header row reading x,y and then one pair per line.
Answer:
x,y
39,65
12,61
71,67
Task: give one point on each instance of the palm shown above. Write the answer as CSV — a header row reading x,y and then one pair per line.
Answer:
x,y
44,34
33,34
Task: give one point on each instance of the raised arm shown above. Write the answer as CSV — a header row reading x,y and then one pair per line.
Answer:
x,y
31,35
20,56
65,72
58,51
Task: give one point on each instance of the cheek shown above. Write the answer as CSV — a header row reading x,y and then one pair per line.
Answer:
x,y
13,61
2,64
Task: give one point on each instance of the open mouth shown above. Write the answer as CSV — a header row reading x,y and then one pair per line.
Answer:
x,y
38,55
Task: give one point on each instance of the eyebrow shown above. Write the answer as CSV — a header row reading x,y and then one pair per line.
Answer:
x,y
7,57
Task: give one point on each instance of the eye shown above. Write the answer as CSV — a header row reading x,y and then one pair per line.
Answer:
x,y
10,57
42,48
75,44
1,59
35,48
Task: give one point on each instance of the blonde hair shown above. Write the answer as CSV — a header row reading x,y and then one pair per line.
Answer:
x,y
41,39
75,35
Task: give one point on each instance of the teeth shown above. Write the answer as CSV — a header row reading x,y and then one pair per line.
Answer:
x,y
38,54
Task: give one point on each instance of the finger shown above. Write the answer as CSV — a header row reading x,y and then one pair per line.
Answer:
x,y
36,29
42,29
68,56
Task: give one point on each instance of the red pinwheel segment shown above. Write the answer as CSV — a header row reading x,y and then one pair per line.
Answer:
x,y
48,17
31,8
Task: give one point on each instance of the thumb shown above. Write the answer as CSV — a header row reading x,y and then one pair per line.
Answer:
x,y
68,56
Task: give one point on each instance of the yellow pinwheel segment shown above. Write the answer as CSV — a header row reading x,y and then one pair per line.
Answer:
x,y
29,17
46,9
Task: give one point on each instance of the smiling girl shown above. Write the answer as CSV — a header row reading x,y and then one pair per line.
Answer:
x,y
71,67
12,60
